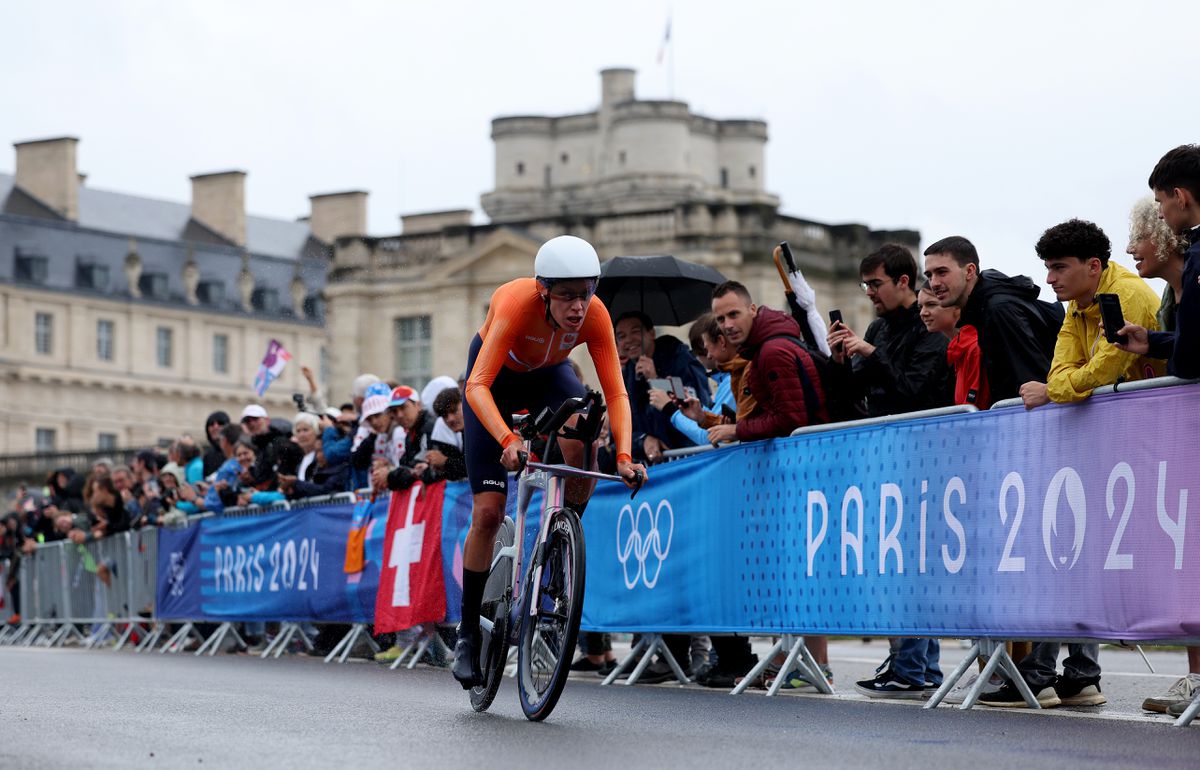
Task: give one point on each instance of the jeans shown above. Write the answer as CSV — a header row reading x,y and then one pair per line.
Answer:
x,y
1082,663
915,661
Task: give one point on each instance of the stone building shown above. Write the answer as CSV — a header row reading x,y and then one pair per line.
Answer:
x,y
634,177
125,320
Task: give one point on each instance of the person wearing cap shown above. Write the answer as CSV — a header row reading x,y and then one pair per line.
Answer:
x,y
384,445
406,411
270,443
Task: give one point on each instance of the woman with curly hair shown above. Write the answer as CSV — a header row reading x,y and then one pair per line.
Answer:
x,y
1157,253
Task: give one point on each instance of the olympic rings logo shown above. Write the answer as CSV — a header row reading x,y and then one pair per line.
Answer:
x,y
643,541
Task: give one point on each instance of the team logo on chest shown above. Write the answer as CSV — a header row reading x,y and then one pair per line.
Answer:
x,y
568,341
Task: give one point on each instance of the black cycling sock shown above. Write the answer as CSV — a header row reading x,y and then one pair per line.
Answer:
x,y
473,585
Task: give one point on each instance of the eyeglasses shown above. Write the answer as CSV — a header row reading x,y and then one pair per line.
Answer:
x,y
872,285
572,296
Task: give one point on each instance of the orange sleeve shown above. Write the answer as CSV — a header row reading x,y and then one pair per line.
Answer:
x,y
602,346
501,330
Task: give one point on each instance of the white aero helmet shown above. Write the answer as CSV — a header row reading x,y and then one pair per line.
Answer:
x,y
566,257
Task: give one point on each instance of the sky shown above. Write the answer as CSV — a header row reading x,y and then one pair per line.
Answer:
x,y
993,120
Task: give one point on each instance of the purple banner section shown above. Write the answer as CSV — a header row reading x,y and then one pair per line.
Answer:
x,y
1064,522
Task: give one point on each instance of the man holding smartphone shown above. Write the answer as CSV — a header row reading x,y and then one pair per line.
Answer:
x,y
1076,255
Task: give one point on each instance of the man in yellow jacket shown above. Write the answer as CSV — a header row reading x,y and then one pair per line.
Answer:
x,y
1077,268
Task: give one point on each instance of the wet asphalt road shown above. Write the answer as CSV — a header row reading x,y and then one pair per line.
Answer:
x,y
75,708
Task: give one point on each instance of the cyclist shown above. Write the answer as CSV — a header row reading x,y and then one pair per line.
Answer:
x,y
518,360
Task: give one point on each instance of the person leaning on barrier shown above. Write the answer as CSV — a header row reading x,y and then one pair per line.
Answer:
x,y
1176,185
271,445
383,446
727,370
212,430
784,383
223,490
1017,331
107,514
898,365
970,381
445,454
1076,254
650,357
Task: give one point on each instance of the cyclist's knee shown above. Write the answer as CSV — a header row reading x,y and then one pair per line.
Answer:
x,y
487,516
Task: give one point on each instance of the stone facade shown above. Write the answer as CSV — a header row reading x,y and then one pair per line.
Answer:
x,y
633,178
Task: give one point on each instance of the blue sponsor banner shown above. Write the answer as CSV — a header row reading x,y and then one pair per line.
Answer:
x,y
178,589
1053,523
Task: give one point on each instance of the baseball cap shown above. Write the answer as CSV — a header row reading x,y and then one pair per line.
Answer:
x,y
253,410
402,395
333,414
376,399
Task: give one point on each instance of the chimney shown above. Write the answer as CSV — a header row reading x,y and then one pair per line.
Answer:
x,y
616,86
219,203
434,221
336,214
46,170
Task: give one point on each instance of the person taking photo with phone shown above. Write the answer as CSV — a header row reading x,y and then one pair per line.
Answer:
x,y
1076,254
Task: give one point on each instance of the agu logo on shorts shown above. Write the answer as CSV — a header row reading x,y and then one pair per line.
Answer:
x,y
644,541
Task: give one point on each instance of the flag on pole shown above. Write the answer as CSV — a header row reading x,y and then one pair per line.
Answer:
x,y
662,49
412,587
271,367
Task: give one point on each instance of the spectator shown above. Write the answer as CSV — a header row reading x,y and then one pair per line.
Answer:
x,y
224,489
652,358
324,477
213,457
718,354
898,365
445,453
270,446
189,459
970,382
306,436
1077,266
102,466
1016,330
66,489
360,477
787,391
108,516
407,412
1176,185
384,445
316,399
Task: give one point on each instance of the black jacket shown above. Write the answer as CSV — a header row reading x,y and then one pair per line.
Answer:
x,y
1017,331
326,480
908,370
213,456
272,447
671,359
1182,346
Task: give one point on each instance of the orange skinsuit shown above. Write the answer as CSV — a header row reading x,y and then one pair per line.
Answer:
x,y
517,335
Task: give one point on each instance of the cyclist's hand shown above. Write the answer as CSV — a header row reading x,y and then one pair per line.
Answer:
x,y
629,473
510,458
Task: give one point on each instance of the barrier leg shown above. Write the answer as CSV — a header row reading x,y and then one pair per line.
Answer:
x,y
281,640
422,648
1189,714
761,666
125,636
633,655
949,682
213,644
98,635
298,632
401,658
349,641
151,639
814,668
178,638
640,668
1014,675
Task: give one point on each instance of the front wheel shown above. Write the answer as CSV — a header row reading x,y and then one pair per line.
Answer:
x,y
549,630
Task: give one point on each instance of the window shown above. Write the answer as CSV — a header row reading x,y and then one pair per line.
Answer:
x,y
211,292
520,169
106,442
221,353
546,177
265,300
414,350
153,285
162,347
91,276
30,267
564,157
314,307
724,178
44,440
104,340
753,171
621,157
43,333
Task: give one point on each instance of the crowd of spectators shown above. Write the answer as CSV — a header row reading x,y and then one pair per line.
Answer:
x,y
954,333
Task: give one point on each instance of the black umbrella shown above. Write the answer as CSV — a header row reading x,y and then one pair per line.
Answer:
x,y
669,290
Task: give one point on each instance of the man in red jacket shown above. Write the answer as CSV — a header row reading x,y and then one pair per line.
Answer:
x,y
787,390
781,375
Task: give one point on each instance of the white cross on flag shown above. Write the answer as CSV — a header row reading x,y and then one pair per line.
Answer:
x,y
412,587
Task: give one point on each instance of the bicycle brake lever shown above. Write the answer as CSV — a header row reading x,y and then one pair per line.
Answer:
x,y
639,479
522,461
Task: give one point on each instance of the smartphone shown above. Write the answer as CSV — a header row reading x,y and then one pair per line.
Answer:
x,y
677,388
664,385
787,256
835,317
1110,314
728,411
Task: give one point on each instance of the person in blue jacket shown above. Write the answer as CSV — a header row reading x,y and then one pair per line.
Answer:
x,y
715,353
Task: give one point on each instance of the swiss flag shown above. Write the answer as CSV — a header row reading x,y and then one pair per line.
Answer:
x,y
412,589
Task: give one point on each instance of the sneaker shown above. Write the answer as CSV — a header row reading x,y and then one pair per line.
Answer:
x,y
656,673
1079,692
718,678
1182,691
959,693
797,681
1176,709
389,655
887,685
1009,696
584,665
466,660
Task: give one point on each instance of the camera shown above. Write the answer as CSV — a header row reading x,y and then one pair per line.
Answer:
x,y
298,399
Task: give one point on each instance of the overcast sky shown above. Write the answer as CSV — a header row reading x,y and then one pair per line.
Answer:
x,y
989,120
